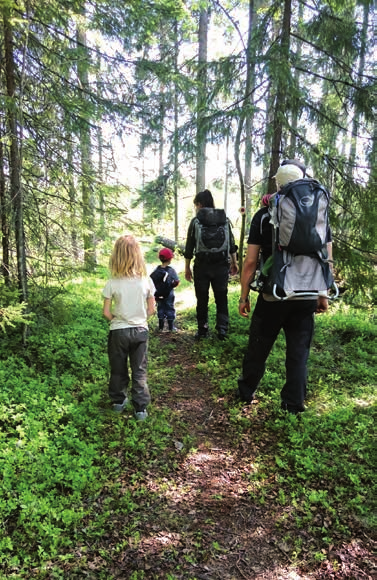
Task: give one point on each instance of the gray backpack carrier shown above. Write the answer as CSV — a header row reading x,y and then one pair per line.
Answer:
x,y
300,264
211,230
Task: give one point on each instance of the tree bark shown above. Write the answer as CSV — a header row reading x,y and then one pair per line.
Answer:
x,y
4,204
201,127
250,82
280,98
88,203
245,114
14,157
175,140
356,116
292,149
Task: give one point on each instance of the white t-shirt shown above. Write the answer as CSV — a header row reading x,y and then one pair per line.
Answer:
x,y
129,296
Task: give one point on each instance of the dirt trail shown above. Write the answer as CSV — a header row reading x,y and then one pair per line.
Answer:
x,y
209,522
199,520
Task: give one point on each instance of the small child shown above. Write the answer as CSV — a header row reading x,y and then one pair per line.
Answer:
x,y
165,279
128,302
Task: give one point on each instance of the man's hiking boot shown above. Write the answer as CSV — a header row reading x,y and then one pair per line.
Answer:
x,y
245,401
222,334
201,334
291,410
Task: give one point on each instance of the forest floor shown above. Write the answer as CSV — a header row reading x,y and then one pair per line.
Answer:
x,y
203,523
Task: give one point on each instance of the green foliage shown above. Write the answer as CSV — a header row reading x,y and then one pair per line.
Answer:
x,y
324,461
12,312
71,470
156,198
60,458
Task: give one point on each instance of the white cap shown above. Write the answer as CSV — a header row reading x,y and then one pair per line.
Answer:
x,y
287,173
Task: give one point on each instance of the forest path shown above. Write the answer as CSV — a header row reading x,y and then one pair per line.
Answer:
x,y
208,526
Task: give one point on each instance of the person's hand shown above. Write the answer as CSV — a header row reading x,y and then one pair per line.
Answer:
x,y
188,275
322,304
233,269
244,308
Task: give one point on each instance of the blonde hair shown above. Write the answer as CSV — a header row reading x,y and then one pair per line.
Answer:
x,y
127,259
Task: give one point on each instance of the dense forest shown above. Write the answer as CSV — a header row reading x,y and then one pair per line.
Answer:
x,y
114,114
108,106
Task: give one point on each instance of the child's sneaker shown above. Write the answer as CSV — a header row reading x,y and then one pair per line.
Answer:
x,y
141,415
119,407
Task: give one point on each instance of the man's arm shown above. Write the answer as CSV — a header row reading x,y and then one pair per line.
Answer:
x,y
248,272
188,272
189,251
232,251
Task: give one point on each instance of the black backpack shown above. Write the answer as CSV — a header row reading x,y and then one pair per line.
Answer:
x,y
164,283
211,229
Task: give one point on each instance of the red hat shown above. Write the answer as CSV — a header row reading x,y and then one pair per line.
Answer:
x,y
165,254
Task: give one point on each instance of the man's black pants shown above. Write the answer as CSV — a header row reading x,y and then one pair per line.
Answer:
x,y
208,274
296,318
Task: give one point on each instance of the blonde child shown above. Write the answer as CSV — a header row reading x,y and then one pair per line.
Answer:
x,y
128,302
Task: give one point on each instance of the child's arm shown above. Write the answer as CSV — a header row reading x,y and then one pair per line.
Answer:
x,y
107,309
150,305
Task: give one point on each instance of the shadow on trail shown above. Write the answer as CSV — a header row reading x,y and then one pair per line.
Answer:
x,y
204,523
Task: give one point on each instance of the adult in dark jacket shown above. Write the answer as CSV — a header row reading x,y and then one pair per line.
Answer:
x,y
210,268
295,316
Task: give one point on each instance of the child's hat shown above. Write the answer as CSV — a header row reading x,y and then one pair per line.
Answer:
x,y
287,173
296,162
166,254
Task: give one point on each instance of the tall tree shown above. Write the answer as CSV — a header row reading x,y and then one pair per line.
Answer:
x,y
246,114
88,200
281,67
13,123
201,113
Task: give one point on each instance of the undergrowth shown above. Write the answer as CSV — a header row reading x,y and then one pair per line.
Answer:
x,y
72,473
320,466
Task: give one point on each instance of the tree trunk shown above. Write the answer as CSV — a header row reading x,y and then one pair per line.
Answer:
x,y
14,158
245,114
86,160
4,204
226,181
100,170
280,99
356,116
175,141
249,124
72,201
292,149
242,191
201,127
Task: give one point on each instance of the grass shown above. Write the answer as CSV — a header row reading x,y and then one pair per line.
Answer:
x,y
73,473
325,460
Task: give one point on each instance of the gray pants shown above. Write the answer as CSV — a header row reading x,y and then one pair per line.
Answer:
x,y
129,345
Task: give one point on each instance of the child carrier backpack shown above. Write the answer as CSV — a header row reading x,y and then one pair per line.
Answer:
x,y
299,265
164,283
211,230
